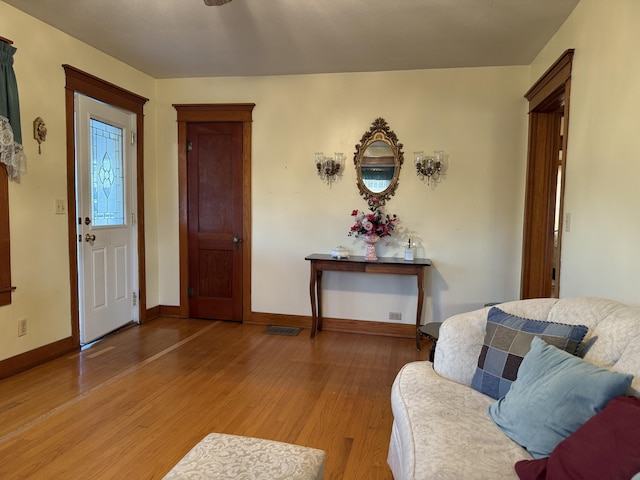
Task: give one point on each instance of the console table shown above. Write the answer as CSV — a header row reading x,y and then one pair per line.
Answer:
x,y
320,262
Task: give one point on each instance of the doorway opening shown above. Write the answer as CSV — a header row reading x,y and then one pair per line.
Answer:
x,y
546,177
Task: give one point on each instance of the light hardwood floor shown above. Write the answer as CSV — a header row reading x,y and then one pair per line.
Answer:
x,y
131,405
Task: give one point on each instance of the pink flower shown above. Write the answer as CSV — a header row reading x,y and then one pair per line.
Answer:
x,y
376,222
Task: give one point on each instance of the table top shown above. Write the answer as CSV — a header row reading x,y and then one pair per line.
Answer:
x,y
431,330
360,259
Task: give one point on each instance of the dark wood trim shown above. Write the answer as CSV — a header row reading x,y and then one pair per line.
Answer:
x,y
170,311
246,222
142,263
27,360
72,214
5,245
94,87
102,90
222,112
386,329
153,313
5,240
239,112
183,218
263,318
548,105
565,150
551,81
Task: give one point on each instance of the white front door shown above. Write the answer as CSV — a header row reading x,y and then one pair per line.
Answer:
x,y
107,259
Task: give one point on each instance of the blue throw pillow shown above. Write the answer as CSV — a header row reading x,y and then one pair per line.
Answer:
x,y
555,394
508,340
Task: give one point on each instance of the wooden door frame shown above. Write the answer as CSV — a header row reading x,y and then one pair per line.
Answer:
x,y
548,102
94,87
208,113
5,249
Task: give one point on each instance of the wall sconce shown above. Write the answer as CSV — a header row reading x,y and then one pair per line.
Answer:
x,y
39,132
329,168
433,167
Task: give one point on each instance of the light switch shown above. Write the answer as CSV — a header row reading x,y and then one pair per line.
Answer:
x,y
61,207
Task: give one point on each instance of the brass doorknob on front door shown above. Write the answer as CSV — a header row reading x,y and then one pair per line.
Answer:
x,y
89,238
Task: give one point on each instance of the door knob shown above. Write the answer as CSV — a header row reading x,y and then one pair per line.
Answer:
x,y
89,238
236,240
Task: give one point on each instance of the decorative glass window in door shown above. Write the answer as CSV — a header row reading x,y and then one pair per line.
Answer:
x,y
107,174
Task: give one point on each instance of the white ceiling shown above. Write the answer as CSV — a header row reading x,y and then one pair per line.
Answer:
x,y
185,38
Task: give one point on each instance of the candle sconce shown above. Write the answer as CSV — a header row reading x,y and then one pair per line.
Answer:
x,y
329,168
432,167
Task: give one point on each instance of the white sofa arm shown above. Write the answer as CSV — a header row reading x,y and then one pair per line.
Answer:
x,y
459,344
461,336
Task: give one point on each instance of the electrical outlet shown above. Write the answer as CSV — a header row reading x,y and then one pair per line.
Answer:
x,y
22,327
395,316
61,207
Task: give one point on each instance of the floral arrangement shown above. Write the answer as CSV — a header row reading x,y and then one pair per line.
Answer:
x,y
377,222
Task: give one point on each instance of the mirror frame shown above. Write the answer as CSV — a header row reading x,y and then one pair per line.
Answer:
x,y
379,131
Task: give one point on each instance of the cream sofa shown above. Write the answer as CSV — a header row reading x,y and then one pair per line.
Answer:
x,y
441,427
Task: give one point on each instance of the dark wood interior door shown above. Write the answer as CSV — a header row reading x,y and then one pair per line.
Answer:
x,y
541,222
214,185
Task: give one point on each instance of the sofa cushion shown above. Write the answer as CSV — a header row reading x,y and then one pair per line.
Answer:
x,y
554,395
604,447
437,423
508,340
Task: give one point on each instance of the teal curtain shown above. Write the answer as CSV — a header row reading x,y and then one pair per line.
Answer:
x,y
11,150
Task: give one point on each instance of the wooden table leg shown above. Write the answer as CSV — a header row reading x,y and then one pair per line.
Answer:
x,y
312,294
432,351
419,309
319,285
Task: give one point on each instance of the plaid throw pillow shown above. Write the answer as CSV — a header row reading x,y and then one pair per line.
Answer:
x,y
507,341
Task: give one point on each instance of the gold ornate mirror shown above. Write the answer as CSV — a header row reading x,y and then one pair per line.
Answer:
x,y
378,159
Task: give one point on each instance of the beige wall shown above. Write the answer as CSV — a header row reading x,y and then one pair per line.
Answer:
x,y
600,252
39,244
470,224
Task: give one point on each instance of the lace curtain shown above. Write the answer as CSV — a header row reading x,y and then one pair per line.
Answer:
x,y
11,150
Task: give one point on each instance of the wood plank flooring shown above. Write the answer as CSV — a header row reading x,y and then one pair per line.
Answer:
x,y
131,405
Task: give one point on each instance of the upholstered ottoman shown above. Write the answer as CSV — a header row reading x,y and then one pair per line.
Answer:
x,y
222,456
